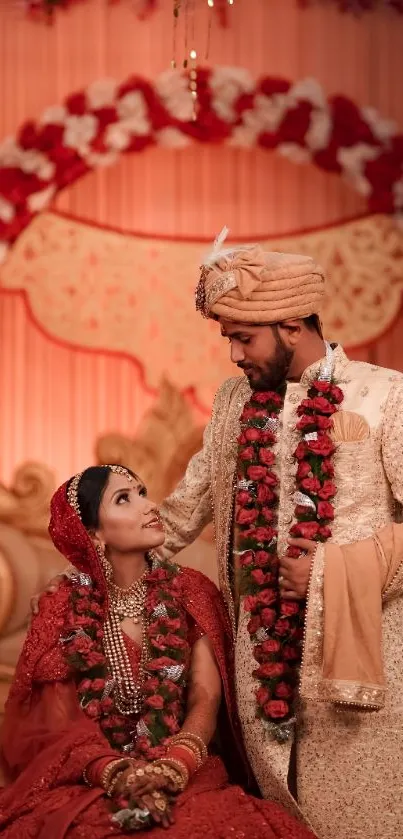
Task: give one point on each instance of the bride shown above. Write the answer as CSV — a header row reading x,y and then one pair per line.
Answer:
x,y
110,722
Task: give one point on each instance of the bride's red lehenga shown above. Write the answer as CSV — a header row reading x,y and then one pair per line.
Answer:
x,y
48,740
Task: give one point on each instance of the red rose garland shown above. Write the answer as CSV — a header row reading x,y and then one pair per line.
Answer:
x,y
276,626
162,715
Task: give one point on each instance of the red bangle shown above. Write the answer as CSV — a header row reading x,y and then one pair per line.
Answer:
x,y
184,755
94,770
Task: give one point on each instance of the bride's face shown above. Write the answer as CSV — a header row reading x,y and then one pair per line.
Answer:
x,y
128,520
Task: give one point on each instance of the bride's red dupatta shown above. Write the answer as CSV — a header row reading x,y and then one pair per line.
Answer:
x,y
47,739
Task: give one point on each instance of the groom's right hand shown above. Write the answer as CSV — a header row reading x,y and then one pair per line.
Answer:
x,y
51,587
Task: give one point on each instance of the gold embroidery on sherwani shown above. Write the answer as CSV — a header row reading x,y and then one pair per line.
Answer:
x,y
228,410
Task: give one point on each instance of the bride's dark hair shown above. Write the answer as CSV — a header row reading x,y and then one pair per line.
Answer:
x,y
91,488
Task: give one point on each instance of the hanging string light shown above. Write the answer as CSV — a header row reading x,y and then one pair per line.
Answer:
x,y
186,9
193,83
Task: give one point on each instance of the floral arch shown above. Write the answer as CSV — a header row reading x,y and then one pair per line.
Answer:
x,y
94,126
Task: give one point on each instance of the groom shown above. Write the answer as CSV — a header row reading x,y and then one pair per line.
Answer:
x,y
302,471
320,458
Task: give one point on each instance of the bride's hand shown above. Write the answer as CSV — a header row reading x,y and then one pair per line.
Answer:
x,y
159,807
131,783
151,798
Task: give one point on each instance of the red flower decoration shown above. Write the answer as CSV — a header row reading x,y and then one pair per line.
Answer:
x,y
256,473
246,516
323,446
277,709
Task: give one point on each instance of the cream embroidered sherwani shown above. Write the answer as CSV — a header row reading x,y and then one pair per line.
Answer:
x,y
349,763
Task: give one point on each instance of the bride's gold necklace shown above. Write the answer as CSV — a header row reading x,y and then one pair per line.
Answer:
x,y
126,603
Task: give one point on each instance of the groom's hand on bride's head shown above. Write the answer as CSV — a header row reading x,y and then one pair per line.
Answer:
x,y
51,588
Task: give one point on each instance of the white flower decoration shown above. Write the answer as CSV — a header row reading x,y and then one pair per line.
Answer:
x,y
101,94
10,152
294,152
173,88
266,115
352,159
117,136
319,131
310,90
56,115
360,183
172,138
132,110
28,160
95,159
7,210
38,163
383,129
243,137
227,85
39,200
79,132
3,251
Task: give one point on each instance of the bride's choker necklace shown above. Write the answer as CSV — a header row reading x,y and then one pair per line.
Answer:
x,y
128,602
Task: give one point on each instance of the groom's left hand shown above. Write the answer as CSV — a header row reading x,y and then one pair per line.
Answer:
x,y
294,573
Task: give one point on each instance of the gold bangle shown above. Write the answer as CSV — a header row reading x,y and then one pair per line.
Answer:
x,y
110,769
193,738
169,772
85,777
173,776
113,784
179,767
177,779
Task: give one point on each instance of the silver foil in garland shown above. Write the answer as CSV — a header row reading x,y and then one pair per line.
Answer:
x,y
244,484
304,500
128,748
262,635
281,731
80,579
312,435
160,611
142,730
108,689
271,424
76,633
326,368
174,672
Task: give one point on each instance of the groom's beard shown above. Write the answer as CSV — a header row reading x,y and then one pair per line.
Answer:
x,y
272,374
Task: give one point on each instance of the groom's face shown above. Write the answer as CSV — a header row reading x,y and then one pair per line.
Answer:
x,y
260,352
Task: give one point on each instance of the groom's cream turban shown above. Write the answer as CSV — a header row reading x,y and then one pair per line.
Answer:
x,y
250,285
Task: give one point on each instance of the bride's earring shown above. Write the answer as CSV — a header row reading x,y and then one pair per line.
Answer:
x,y
106,566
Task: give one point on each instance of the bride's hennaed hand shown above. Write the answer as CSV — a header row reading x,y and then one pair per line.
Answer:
x,y
153,799
159,807
129,783
142,783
